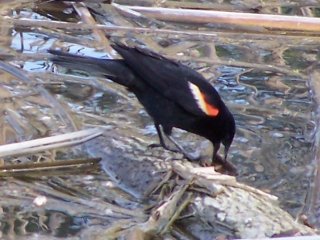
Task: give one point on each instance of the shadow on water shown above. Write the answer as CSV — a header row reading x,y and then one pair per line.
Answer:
x,y
274,111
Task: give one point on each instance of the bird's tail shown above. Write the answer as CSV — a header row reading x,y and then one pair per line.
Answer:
x,y
114,69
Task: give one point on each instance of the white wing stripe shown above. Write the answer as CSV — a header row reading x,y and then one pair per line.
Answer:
x,y
198,97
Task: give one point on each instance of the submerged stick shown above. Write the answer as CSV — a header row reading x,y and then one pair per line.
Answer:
x,y
49,142
43,168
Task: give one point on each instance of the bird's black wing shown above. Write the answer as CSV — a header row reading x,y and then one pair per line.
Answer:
x,y
173,80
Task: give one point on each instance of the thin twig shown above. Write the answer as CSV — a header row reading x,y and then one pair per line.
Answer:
x,y
201,34
98,34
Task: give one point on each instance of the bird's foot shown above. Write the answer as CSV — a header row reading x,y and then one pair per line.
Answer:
x,y
190,156
157,145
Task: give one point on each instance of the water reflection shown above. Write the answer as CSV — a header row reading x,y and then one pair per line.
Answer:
x,y
274,148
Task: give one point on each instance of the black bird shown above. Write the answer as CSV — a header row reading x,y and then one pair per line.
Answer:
x,y
173,94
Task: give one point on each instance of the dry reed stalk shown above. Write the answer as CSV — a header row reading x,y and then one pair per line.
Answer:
x,y
279,22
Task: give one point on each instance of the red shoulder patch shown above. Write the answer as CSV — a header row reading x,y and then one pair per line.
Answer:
x,y
211,110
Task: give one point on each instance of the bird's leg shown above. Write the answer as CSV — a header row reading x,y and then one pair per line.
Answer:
x,y
163,144
161,140
189,156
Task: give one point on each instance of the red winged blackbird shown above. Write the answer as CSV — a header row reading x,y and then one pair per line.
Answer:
x,y
173,94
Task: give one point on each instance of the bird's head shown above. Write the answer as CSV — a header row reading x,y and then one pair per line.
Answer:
x,y
223,132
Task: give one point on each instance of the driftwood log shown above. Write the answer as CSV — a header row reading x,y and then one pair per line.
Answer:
x,y
200,203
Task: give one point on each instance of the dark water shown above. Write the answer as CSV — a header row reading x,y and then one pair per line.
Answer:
x,y
274,111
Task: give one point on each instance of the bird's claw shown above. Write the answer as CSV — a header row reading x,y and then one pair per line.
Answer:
x,y
157,145
154,145
191,157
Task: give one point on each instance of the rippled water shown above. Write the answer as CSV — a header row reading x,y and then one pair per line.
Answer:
x,y
274,111
275,143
